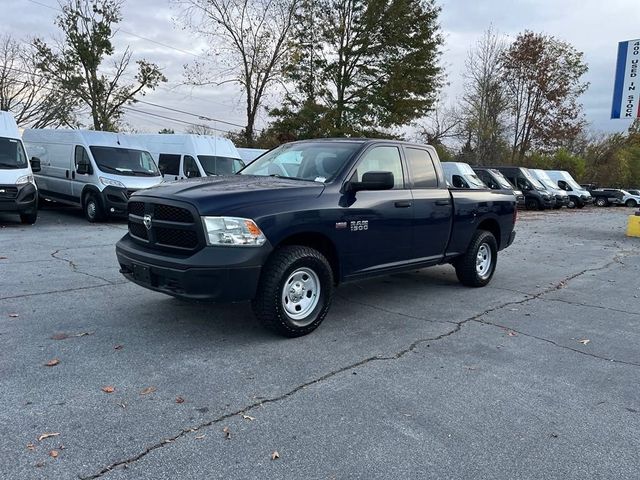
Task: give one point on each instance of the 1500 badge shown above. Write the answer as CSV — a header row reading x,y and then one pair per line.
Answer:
x,y
359,225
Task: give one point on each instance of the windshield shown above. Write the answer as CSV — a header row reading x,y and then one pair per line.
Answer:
x,y
535,183
220,165
504,183
124,161
546,181
316,161
12,154
474,181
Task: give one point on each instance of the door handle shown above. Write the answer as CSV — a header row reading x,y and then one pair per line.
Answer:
x,y
402,204
442,202
66,173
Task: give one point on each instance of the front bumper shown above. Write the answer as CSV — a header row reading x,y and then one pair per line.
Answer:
x,y
114,200
19,198
218,274
562,200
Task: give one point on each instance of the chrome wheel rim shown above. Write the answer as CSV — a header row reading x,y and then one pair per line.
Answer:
x,y
483,261
300,295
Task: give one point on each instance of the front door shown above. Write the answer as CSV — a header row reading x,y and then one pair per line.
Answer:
x,y
378,222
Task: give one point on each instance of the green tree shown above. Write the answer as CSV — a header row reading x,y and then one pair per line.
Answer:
x,y
543,76
362,67
74,63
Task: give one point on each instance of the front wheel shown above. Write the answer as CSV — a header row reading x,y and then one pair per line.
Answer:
x,y
29,218
533,204
631,203
601,202
579,204
93,209
295,291
476,266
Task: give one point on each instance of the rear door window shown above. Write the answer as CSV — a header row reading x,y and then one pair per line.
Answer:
x,y
423,172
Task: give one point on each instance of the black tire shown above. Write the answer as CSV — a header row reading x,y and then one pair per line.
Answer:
x,y
579,204
631,203
92,209
533,204
601,202
29,218
269,303
466,265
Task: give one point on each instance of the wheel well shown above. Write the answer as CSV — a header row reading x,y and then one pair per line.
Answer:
x,y
87,190
490,225
320,243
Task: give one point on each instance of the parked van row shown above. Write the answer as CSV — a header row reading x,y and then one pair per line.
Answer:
x,y
98,171
534,189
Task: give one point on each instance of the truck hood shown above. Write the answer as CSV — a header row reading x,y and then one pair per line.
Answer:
x,y
221,195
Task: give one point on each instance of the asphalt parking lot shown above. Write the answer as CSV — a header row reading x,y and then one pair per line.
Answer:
x,y
410,376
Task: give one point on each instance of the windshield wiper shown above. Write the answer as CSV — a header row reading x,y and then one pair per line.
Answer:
x,y
146,173
103,167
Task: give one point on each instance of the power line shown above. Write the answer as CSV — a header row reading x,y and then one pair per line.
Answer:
x,y
173,119
202,117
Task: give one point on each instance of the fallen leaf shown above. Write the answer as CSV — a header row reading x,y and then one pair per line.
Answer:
x,y
52,363
3,258
31,446
511,333
248,417
227,433
148,390
108,389
47,435
275,455
179,400
584,341
14,315
118,347
200,437
64,336
39,464
53,454
59,336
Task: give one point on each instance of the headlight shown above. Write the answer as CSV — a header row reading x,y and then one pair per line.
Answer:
x,y
23,180
232,231
111,183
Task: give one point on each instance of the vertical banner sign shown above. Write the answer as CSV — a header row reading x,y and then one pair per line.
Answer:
x,y
626,90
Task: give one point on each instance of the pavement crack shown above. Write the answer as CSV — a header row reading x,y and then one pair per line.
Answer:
x,y
588,305
75,269
65,290
556,344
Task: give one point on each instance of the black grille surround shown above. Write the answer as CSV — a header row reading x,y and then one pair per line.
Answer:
x,y
8,192
175,225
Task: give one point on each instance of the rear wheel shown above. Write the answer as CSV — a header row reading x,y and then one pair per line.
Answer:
x,y
295,291
579,204
631,203
601,202
477,265
92,208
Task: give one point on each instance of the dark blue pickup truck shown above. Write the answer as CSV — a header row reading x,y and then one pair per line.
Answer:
x,y
305,217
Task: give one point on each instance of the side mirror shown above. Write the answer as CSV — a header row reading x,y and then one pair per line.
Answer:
x,y
373,181
35,164
83,168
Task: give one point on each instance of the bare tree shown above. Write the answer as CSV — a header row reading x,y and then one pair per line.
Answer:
x,y
74,64
484,104
543,78
31,97
200,130
253,35
442,123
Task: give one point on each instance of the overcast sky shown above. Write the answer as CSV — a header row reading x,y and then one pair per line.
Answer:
x,y
593,26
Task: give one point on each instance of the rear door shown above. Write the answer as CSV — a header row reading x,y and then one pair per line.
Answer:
x,y
432,206
379,223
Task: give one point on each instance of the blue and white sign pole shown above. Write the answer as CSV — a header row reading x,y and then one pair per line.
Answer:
x,y
626,90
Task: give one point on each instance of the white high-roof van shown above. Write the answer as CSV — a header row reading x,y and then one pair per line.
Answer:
x,y
248,155
578,196
181,156
18,191
461,175
97,171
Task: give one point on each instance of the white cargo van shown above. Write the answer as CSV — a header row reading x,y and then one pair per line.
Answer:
x,y
18,191
181,156
461,175
97,171
578,196
248,155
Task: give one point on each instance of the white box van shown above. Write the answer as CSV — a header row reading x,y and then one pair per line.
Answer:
x,y
97,171
181,156
18,191
248,155
578,196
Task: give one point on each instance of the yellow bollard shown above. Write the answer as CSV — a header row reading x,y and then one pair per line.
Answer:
x,y
633,226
